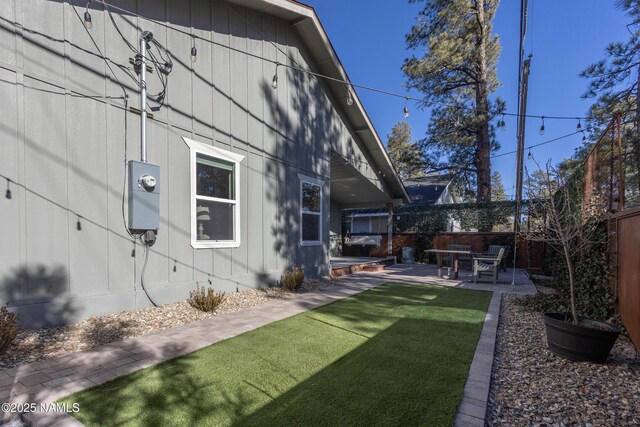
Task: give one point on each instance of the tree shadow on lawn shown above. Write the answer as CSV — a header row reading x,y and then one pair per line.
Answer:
x,y
410,374
417,301
410,370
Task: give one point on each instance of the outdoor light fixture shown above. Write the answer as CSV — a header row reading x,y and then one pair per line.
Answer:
x,y
579,127
79,225
87,19
349,97
274,82
541,131
530,156
406,108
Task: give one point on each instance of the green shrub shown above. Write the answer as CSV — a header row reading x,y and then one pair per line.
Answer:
x,y
592,276
205,299
292,280
8,328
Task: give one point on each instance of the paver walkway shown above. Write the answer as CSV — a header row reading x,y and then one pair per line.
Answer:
x,y
49,380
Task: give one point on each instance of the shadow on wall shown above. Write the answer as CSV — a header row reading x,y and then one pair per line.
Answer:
x,y
303,146
42,292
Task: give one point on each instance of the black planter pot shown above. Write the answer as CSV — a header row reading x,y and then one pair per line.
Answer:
x,y
589,341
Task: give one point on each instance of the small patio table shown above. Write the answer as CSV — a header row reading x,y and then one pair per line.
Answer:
x,y
456,255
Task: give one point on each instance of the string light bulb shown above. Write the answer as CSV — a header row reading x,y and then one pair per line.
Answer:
x,y
349,96
406,108
579,127
78,225
274,81
541,131
194,52
530,156
87,18
7,194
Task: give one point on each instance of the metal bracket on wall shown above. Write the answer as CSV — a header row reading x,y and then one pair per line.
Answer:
x,y
149,67
137,111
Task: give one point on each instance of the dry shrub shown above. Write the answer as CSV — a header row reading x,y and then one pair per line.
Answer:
x,y
292,280
8,328
205,299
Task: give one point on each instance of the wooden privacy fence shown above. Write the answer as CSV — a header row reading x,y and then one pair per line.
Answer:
x,y
625,269
530,254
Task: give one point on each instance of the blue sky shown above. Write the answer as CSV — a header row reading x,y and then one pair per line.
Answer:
x,y
564,37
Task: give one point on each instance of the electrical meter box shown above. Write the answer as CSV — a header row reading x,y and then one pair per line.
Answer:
x,y
144,196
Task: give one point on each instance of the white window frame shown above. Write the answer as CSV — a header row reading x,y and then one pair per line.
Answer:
x,y
370,219
196,148
319,183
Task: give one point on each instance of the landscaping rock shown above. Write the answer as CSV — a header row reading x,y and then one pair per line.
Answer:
x,y
33,345
532,386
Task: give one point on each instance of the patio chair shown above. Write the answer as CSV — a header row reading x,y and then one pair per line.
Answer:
x,y
485,264
493,252
463,259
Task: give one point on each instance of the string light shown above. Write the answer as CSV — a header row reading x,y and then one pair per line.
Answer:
x,y
501,124
349,96
7,194
78,224
87,18
530,156
406,108
579,127
194,51
541,130
274,82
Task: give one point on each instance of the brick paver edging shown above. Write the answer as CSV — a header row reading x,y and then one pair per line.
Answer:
x,y
473,407
47,381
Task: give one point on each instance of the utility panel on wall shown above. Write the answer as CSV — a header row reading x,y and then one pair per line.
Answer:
x,y
144,196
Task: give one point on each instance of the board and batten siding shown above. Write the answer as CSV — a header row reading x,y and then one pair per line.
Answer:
x,y
63,137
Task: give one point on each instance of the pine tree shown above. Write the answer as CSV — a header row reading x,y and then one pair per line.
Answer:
x,y
615,81
497,188
458,69
405,155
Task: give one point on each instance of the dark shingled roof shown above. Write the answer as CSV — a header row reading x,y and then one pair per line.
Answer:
x,y
427,190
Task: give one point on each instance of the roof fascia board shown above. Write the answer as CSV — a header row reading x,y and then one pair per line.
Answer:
x,y
307,12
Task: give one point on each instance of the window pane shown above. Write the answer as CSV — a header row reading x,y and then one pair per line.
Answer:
x,y
214,178
379,224
310,197
360,225
310,227
214,220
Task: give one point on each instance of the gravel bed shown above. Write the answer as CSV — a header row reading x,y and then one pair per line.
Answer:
x,y
33,345
531,386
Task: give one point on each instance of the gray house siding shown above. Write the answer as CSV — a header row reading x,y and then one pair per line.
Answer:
x,y
63,149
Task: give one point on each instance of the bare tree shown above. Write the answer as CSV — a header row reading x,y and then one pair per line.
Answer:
x,y
563,220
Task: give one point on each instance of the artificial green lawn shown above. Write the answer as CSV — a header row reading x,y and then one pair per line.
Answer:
x,y
397,354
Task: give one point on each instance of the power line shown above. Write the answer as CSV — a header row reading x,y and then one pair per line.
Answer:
x,y
300,68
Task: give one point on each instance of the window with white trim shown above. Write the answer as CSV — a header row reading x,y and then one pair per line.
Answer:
x,y
215,207
310,211
373,223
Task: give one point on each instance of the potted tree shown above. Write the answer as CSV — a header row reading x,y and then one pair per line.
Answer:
x,y
569,224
